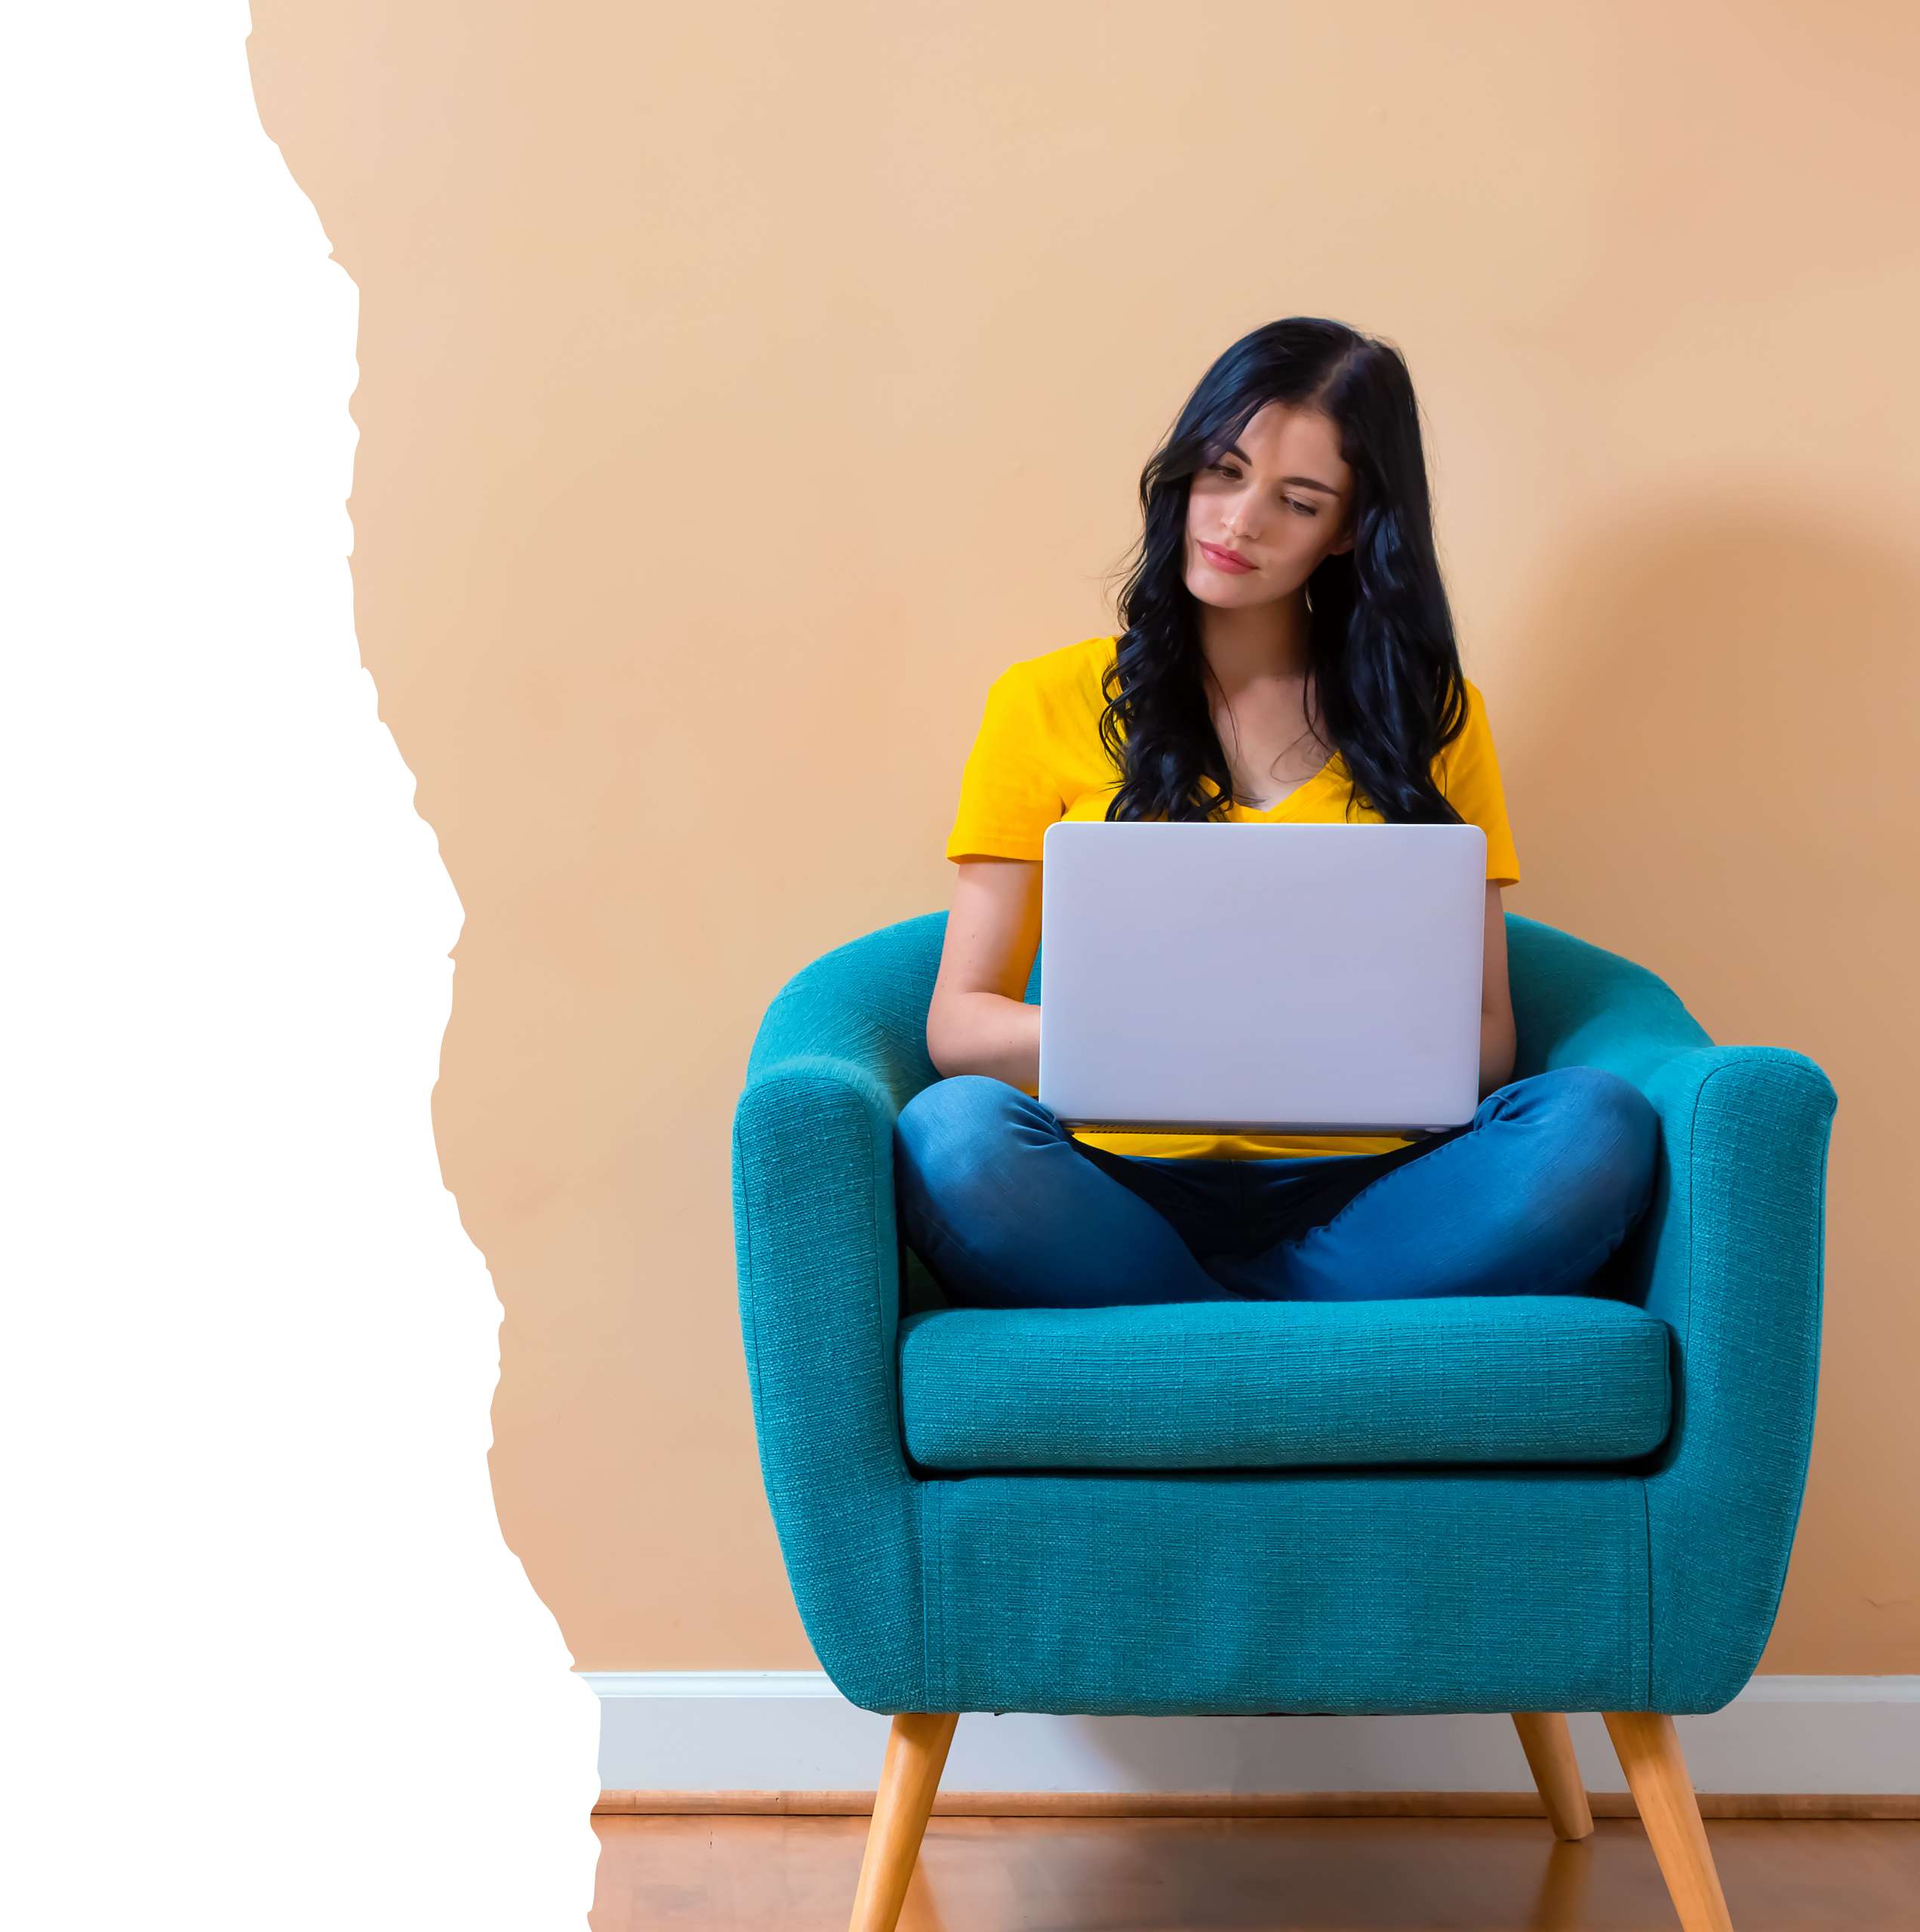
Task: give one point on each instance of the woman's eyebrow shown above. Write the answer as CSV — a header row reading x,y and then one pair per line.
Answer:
x,y
1304,482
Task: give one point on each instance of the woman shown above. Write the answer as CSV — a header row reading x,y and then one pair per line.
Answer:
x,y
1287,655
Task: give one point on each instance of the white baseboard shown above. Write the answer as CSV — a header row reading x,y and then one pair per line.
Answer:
x,y
792,1731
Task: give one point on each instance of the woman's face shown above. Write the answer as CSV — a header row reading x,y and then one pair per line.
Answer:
x,y
1282,498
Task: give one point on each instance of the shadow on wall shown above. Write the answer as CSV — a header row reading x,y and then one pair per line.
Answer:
x,y
1726,707
1726,710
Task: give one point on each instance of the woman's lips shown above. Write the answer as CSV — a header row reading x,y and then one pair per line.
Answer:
x,y
1222,560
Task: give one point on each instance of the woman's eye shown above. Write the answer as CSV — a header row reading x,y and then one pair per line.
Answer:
x,y
1304,509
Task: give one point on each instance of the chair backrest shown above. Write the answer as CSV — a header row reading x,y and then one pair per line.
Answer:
x,y
1574,1004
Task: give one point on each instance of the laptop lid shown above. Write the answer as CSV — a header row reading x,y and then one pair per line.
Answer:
x,y
1261,978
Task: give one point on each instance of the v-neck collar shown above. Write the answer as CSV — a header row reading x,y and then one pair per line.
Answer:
x,y
1250,815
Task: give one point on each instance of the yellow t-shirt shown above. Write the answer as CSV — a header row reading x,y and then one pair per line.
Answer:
x,y
1038,758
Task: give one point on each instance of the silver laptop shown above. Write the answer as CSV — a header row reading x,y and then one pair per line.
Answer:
x,y
1261,978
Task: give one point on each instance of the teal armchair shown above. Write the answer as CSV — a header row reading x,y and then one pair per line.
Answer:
x,y
1525,1504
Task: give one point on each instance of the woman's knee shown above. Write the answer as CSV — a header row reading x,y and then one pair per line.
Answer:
x,y
948,1128
1612,1128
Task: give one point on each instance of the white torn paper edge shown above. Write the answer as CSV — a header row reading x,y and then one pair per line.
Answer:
x,y
260,1601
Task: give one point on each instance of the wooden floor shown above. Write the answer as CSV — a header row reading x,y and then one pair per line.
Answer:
x,y
724,1873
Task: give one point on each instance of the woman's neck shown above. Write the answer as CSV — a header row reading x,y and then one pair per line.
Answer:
x,y
1266,644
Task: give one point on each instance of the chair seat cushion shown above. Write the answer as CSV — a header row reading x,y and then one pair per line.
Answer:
x,y
1265,1385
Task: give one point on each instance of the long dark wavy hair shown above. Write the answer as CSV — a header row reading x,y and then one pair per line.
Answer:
x,y
1382,658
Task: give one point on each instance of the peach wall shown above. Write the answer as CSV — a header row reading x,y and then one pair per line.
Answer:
x,y
741,389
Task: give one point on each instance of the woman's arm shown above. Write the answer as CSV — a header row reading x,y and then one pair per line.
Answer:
x,y
1497,1039
978,1021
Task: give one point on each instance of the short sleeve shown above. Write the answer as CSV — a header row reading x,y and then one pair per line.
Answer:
x,y
1470,778
1009,794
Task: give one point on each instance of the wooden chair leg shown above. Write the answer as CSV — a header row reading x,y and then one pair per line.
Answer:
x,y
910,1774
1548,1745
1649,1755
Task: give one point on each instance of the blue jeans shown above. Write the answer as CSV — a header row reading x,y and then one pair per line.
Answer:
x,y
1529,1197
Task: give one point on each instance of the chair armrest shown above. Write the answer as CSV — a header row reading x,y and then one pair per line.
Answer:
x,y
818,1259
1730,1256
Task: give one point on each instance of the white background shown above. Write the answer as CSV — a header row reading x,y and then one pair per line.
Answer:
x,y
268,1661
